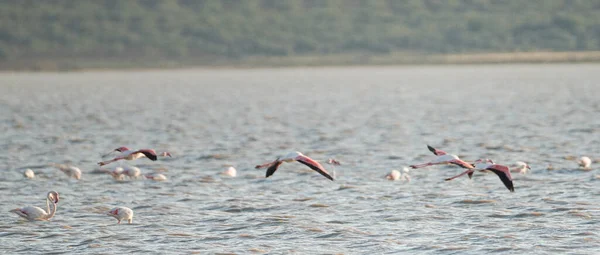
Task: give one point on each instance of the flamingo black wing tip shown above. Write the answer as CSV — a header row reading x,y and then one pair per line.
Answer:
x,y
431,148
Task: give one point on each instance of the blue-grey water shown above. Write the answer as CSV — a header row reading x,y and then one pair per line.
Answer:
x,y
371,119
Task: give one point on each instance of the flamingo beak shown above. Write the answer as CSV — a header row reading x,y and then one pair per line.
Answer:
x,y
528,167
169,154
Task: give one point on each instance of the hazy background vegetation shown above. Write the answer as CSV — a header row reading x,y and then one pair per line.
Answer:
x,y
203,31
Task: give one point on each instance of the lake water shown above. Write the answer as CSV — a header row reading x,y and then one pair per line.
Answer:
x,y
371,119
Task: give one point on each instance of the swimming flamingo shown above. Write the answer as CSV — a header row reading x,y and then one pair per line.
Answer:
x,y
35,213
156,177
128,154
584,162
520,167
121,213
131,171
29,174
295,156
395,175
69,170
230,171
444,158
333,162
488,165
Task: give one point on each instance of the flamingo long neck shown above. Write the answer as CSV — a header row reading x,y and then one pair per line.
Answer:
x,y
47,205
52,212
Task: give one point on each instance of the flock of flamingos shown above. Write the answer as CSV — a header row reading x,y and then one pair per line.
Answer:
x,y
120,213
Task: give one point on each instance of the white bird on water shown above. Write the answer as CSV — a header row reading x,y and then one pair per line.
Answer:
x,y
395,175
29,174
121,213
156,177
130,171
584,162
69,170
230,171
35,213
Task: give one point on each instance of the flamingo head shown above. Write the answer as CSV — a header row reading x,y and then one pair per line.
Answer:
x,y
53,196
166,154
113,212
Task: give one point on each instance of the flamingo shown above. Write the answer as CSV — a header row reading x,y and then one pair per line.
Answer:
x,y
488,165
584,162
156,177
230,171
131,171
35,213
395,175
291,157
69,170
444,158
117,173
121,213
128,154
29,174
520,167
334,163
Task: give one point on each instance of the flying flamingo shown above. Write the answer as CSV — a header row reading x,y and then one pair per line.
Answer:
x,y
35,213
128,154
488,165
295,156
69,170
121,213
395,175
584,162
520,167
444,158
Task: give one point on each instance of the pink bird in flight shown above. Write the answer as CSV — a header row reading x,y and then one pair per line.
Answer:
x,y
127,154
295,156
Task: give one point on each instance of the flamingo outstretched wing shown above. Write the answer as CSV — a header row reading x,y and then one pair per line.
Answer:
x,y
435,151
504,173
314,165
149,153
273,167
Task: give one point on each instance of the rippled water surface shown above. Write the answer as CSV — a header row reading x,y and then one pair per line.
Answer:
x,y
372,119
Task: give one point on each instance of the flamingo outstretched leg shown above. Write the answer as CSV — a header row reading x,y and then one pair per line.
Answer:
x,y
470,172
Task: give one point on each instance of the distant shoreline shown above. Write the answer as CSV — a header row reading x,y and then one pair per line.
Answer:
x,y
392,59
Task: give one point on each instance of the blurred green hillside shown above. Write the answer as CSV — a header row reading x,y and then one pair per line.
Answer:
x,y
204,31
